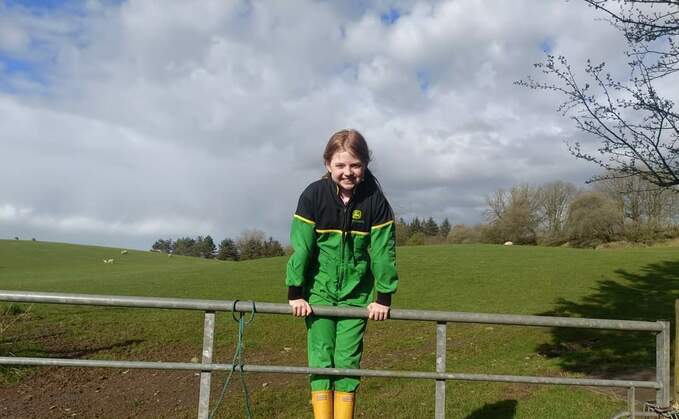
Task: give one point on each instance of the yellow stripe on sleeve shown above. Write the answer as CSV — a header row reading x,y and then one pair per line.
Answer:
x,y
382,225
299,217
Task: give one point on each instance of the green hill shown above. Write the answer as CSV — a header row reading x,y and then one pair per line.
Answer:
x,y
625,283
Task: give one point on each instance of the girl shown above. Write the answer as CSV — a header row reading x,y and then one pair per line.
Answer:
x,y
339,218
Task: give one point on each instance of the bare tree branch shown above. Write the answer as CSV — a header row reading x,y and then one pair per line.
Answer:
x,y
637,128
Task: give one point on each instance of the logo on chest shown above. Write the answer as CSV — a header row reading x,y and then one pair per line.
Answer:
x,y
356,216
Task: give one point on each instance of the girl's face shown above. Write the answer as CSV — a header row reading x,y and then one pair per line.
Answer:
x,y
346,170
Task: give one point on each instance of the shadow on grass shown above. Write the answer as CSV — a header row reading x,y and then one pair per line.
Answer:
x,y
649,295
90,350
505,409
7,349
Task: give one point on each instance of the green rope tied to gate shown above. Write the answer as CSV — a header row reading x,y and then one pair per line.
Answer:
x,y
238,361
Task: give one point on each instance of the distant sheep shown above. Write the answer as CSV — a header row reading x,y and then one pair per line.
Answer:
x,y
123,252
508,243
108,260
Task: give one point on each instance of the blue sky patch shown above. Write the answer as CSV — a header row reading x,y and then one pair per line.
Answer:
x,y
423,79
547,45
390,16
13,67
42,7
40,4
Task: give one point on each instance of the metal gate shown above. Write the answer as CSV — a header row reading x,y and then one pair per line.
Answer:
x,y
441,318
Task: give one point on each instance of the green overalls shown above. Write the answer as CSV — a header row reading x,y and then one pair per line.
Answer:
x,y
342,254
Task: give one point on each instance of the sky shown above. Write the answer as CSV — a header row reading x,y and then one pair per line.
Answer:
x,y
122,122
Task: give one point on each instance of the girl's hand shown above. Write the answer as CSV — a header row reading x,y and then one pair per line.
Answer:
x,y
378,311
300,308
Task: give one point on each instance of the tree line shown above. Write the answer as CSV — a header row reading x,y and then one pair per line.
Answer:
x,y
624,208
250,244
418,232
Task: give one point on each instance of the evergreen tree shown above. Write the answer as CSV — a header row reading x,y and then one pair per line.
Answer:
x,y
227,250
184,246
208,248
430,228
445,228
164,246
197,248
415,226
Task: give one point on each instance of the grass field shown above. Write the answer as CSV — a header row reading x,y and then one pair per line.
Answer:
x,y
625,283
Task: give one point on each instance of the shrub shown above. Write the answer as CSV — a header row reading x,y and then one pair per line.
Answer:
x,y
461,234
594,219
416,239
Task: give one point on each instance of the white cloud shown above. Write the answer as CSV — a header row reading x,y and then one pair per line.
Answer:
x,y
171,118
82,224
9,213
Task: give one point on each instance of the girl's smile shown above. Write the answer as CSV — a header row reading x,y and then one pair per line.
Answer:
x,y
346,170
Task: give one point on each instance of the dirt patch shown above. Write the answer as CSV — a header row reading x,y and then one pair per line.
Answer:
x,y
68,392
642,395
100,393
514,391
114,393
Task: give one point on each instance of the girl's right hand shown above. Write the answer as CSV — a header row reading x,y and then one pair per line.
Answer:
x,y
300,308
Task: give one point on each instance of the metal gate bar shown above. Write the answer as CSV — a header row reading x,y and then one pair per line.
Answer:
x,y
525,379
277,308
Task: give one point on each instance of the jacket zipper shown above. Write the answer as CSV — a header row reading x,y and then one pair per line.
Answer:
x,y
345,227
345,231
341,276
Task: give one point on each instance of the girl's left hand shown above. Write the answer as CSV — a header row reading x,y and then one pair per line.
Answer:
x,y
378,311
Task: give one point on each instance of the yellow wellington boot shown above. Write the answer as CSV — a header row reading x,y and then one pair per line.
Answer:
x,y
321,401
344,405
